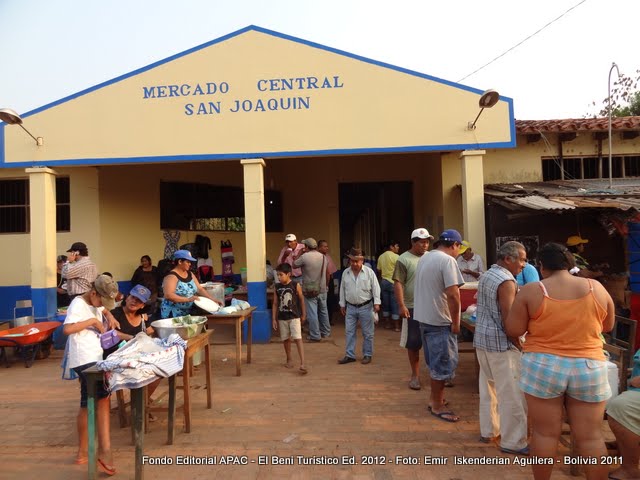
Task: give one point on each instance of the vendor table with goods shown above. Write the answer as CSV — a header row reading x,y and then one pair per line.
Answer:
x,y
138,396
236,318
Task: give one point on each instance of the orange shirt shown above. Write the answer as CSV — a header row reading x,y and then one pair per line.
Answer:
x,y
568,328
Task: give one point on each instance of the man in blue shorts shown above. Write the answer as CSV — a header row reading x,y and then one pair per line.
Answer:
x,y
403,283
437,309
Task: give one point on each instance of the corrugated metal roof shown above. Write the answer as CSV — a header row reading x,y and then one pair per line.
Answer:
x,y
569,194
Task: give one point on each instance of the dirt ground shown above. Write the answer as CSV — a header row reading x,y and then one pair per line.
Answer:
x,y
363,418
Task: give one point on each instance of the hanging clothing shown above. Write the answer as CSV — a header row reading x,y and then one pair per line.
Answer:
x,y
171,237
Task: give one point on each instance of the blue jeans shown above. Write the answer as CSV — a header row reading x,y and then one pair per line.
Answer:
x,y
363,314
318,316
389,303
440,351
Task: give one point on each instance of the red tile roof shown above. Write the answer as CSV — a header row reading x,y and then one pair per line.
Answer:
x,y
577,125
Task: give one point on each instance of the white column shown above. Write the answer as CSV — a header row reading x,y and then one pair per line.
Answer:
x,y
255,235
42,206
473,200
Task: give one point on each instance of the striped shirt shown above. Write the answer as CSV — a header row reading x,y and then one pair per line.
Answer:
x,y
80,275
490,335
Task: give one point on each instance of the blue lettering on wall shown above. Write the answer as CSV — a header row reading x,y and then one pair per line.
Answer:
x,y
271,104
298,83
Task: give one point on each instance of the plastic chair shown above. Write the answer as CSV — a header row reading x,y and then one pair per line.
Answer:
x,y
24,320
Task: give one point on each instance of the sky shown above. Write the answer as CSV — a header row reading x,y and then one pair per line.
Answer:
x,y
50,49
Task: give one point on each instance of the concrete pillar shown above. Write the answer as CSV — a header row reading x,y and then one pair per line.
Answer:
x,y
42,206
473,200
255,237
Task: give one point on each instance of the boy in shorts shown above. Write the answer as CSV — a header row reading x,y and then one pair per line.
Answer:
x,y
288,313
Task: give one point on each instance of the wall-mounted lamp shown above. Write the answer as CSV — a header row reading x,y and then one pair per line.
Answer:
x,y
10,117
488,99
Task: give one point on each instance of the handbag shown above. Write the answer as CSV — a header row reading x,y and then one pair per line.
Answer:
x,y
312,289
109,339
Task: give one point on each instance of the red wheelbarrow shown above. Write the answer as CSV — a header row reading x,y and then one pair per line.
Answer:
x,y
28,340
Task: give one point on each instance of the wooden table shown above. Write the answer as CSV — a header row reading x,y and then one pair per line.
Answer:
x,y
236,319
194,345
138,400
138,396
472,328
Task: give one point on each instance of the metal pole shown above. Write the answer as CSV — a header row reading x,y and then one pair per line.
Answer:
x,y
613,65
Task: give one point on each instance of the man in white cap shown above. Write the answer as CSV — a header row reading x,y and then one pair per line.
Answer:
x,y
403,284
291,250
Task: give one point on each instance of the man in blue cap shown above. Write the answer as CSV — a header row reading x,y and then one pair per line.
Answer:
x,y
437,308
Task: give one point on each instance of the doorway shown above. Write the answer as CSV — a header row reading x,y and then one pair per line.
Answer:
x,y
372,214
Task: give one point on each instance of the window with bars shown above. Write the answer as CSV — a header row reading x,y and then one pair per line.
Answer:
x,y
198,207
579,168
14,206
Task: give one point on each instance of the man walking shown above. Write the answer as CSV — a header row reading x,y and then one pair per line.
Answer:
x,y
79,270
314,288
403,278
498,356
437,308
386,264
359,298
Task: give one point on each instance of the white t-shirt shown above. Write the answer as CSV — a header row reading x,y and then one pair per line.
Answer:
x,y
84,346
434,274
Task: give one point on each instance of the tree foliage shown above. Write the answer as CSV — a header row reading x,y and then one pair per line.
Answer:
x,y
625,97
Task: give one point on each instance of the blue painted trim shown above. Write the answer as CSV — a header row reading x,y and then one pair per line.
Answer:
x,y
8,298
266,155
240,155
45,303
512,123
257,294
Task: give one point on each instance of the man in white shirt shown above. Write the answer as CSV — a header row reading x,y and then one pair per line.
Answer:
x,y
359,298
470,263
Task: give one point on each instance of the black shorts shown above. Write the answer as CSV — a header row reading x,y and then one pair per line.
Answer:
x,y
101,391
414,337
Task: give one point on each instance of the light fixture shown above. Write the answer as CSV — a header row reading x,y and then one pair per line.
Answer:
x,y
487,100
10,117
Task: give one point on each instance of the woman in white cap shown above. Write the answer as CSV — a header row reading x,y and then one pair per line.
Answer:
x,y
180,287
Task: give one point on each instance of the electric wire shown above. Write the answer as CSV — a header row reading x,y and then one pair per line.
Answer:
x,y
522,41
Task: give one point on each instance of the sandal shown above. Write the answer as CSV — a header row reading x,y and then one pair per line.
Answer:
x,y
447,416
303,370
106,468
415,384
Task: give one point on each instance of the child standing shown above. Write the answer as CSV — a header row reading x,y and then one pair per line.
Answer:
x,y
288,313
84,325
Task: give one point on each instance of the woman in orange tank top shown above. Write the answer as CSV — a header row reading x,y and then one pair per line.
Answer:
x,y
563,363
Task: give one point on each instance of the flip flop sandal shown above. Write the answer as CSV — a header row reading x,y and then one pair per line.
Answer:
x,y
522,451
303,370
443,416
81,461
106,468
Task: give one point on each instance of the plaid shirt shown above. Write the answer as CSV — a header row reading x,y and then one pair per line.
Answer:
x,y
79,274
490,335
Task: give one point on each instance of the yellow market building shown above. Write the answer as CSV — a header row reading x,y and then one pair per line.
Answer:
x,y
248,137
